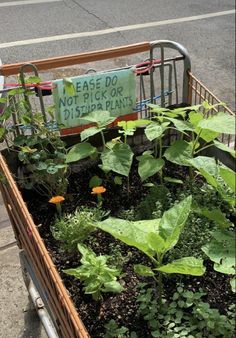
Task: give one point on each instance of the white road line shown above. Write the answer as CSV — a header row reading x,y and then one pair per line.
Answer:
x,y
113,30
25,2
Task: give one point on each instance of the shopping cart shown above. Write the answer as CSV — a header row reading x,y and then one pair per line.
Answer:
x,y
163,76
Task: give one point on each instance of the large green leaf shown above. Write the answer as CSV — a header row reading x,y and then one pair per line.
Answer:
x,y
143,270
118,159
221,123
113,286
179,152
148,166
181,125
89,132
221,250
132,233
172,222
187,266
154,131
69,86
101,117
209,178
228,176
195,118
225,148
206,163
156,242
207,135
215,215
133,124
80,151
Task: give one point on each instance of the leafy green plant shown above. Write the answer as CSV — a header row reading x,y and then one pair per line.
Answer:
x,y
148,308
157,201
101,119
200,131
217,175
75,228
113,330
155,238
34,136
96,275
221,251
128,128
184,315
43,160
149,165
115,155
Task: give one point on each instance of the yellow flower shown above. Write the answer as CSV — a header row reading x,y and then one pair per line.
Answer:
x,y
98,190
56,199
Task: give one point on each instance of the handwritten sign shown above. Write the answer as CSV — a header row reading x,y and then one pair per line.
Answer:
x,y
113,91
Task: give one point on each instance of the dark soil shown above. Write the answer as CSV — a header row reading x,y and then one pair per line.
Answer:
x,y
121,307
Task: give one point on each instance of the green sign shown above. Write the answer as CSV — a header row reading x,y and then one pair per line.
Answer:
x,y
113,91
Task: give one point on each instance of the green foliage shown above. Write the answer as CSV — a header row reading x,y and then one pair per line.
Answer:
x,y
155,238
219,176
128,128
115,155
75,228
128,214
200,131
37,141
184,315
80,151
96,275
221,251
117,258
196,233
95,181
118,158
44,166
155,203
113,330
148,308
148,165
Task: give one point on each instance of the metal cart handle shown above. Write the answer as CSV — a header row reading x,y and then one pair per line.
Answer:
x,y
162,44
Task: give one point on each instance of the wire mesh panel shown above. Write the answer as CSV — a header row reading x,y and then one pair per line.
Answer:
x,y
198,93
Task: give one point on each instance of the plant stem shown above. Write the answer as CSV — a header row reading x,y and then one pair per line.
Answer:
x,y
103,140
208,146
58,206
160,289
155,147
191,173
160,146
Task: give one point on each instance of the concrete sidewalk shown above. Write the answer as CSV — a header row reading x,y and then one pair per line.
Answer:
x,y
17,320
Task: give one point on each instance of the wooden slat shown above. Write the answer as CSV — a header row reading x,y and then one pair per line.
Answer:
x,y
69,60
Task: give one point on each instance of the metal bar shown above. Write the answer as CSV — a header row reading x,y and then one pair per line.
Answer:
x,y
22,78
63,61
176,84
42,312
162,70
37,297
187,62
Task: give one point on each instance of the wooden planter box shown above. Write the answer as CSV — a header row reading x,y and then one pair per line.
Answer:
x,y
59,305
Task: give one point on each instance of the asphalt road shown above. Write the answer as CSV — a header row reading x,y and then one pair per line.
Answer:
x,y
26,27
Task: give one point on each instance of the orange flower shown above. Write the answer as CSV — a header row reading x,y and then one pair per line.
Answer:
x,y
56,199
98,190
